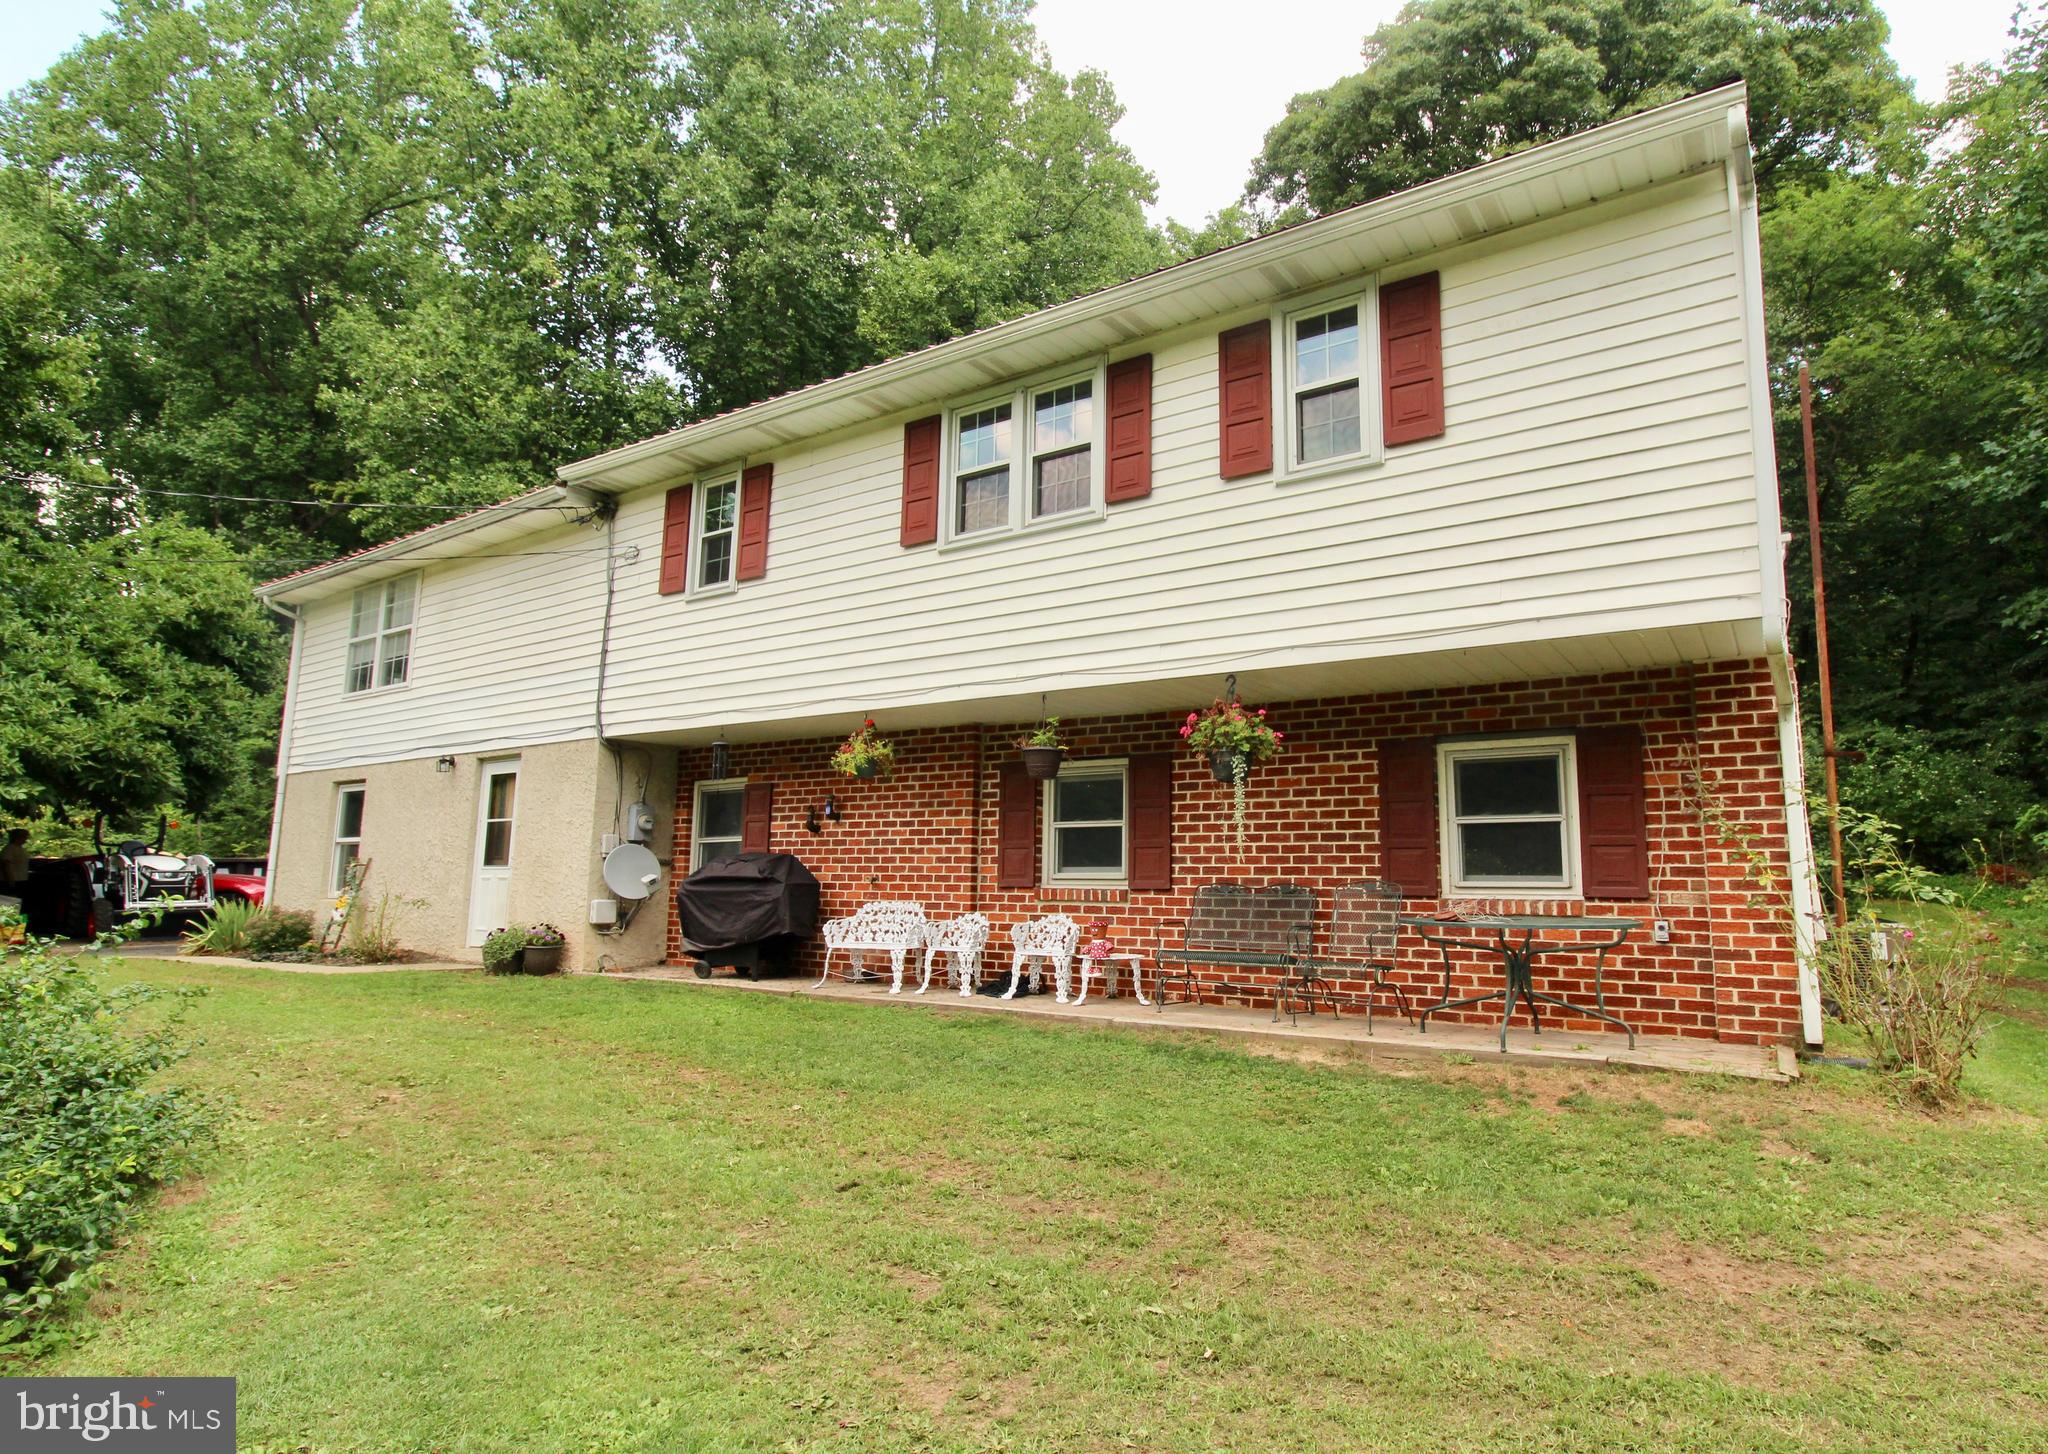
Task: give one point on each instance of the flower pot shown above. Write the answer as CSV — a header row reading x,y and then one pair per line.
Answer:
x,y
1042,764
868,769
540,959
1223,765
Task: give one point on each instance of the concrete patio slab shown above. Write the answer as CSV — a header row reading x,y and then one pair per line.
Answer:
x,y
1392,1037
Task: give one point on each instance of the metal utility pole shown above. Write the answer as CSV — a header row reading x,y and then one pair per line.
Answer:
x,y
1820,631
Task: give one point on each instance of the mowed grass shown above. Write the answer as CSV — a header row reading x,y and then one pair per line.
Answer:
x,y
463,1214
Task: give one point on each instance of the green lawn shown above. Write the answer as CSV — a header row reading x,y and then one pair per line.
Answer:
x,y
480,1215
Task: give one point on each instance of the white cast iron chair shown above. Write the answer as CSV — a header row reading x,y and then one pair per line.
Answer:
x,y
961,940
894,927
1050,940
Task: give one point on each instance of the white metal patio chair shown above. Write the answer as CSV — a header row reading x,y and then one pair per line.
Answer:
x,y
1048,940
961,940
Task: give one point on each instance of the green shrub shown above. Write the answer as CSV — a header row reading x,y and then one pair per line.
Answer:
x,y
85,1125
501,949
224,931
280,931
1943,799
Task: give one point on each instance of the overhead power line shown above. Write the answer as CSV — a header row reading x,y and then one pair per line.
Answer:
x,y
272,500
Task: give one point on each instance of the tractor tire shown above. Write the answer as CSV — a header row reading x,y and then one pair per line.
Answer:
x,y
78,911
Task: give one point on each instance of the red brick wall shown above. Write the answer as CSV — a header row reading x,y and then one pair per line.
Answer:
x,y
927,833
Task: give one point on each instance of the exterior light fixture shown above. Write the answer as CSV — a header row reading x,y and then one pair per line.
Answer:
x,y
827,812
721,758
444,764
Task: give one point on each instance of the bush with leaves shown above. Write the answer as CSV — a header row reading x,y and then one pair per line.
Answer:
x,y
86,1124
225,930
1920,1002
280,931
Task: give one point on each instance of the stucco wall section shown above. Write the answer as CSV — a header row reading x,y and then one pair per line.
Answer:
x,y
419,832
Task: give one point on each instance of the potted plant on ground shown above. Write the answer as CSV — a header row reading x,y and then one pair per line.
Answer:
x,y
501,950
1043,751
542,953
1234,739
864,754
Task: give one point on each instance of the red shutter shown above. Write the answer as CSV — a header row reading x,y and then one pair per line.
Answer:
x,y
1152,821
1408,849
1244,381
1016,829
757,817
675,541
1411,360
1130,430
921,481
756,485
1614,839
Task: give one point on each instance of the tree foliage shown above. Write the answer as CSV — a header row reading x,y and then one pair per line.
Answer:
x,y
1906,263
324,255
1449,84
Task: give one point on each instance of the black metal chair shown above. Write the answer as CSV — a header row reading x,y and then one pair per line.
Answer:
x,y
1365,922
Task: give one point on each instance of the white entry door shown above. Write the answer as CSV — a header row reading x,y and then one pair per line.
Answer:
x,y
490,897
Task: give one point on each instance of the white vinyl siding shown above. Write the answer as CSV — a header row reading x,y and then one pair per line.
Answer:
x,y
1591,507
507,658
1597,479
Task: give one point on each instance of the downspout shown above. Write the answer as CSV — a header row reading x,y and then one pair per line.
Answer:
x,y
1807,924
284,744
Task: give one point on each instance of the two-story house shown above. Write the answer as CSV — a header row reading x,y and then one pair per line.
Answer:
x,y
1471,487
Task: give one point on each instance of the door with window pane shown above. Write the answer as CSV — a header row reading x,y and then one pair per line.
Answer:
x,y
490,898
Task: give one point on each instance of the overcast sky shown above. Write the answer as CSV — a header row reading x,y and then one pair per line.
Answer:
x,y
1200,84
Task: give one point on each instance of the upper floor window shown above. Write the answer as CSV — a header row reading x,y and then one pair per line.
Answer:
x,y
1330,382
720,515
1031,457
1087,824
380,634
1508,819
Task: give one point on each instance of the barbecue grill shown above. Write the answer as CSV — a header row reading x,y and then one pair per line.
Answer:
x,y
748,912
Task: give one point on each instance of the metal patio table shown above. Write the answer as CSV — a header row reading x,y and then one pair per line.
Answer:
x,y
1519,960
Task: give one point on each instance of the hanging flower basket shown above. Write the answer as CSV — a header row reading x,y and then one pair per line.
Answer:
x,y
864,753
1042,751
1235,739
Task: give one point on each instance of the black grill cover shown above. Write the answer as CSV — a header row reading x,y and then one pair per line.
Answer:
x,y
745,898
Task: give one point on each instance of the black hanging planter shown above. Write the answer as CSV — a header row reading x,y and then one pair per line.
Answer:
x,y
1223,765
870,768
1042,764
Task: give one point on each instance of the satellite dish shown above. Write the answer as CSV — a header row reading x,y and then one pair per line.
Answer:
x,y
631,872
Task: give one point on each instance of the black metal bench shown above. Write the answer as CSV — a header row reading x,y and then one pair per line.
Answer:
x,y
1230,925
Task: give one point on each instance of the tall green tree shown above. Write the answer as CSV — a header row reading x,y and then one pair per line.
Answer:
x,y
1449,84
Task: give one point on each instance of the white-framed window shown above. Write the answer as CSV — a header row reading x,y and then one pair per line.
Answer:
x,y
1032,456
717,820
1088,823
348,833
1510,819
1330,381
380,622
718,513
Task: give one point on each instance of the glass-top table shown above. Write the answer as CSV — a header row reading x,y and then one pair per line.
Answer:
x,y
1518,959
